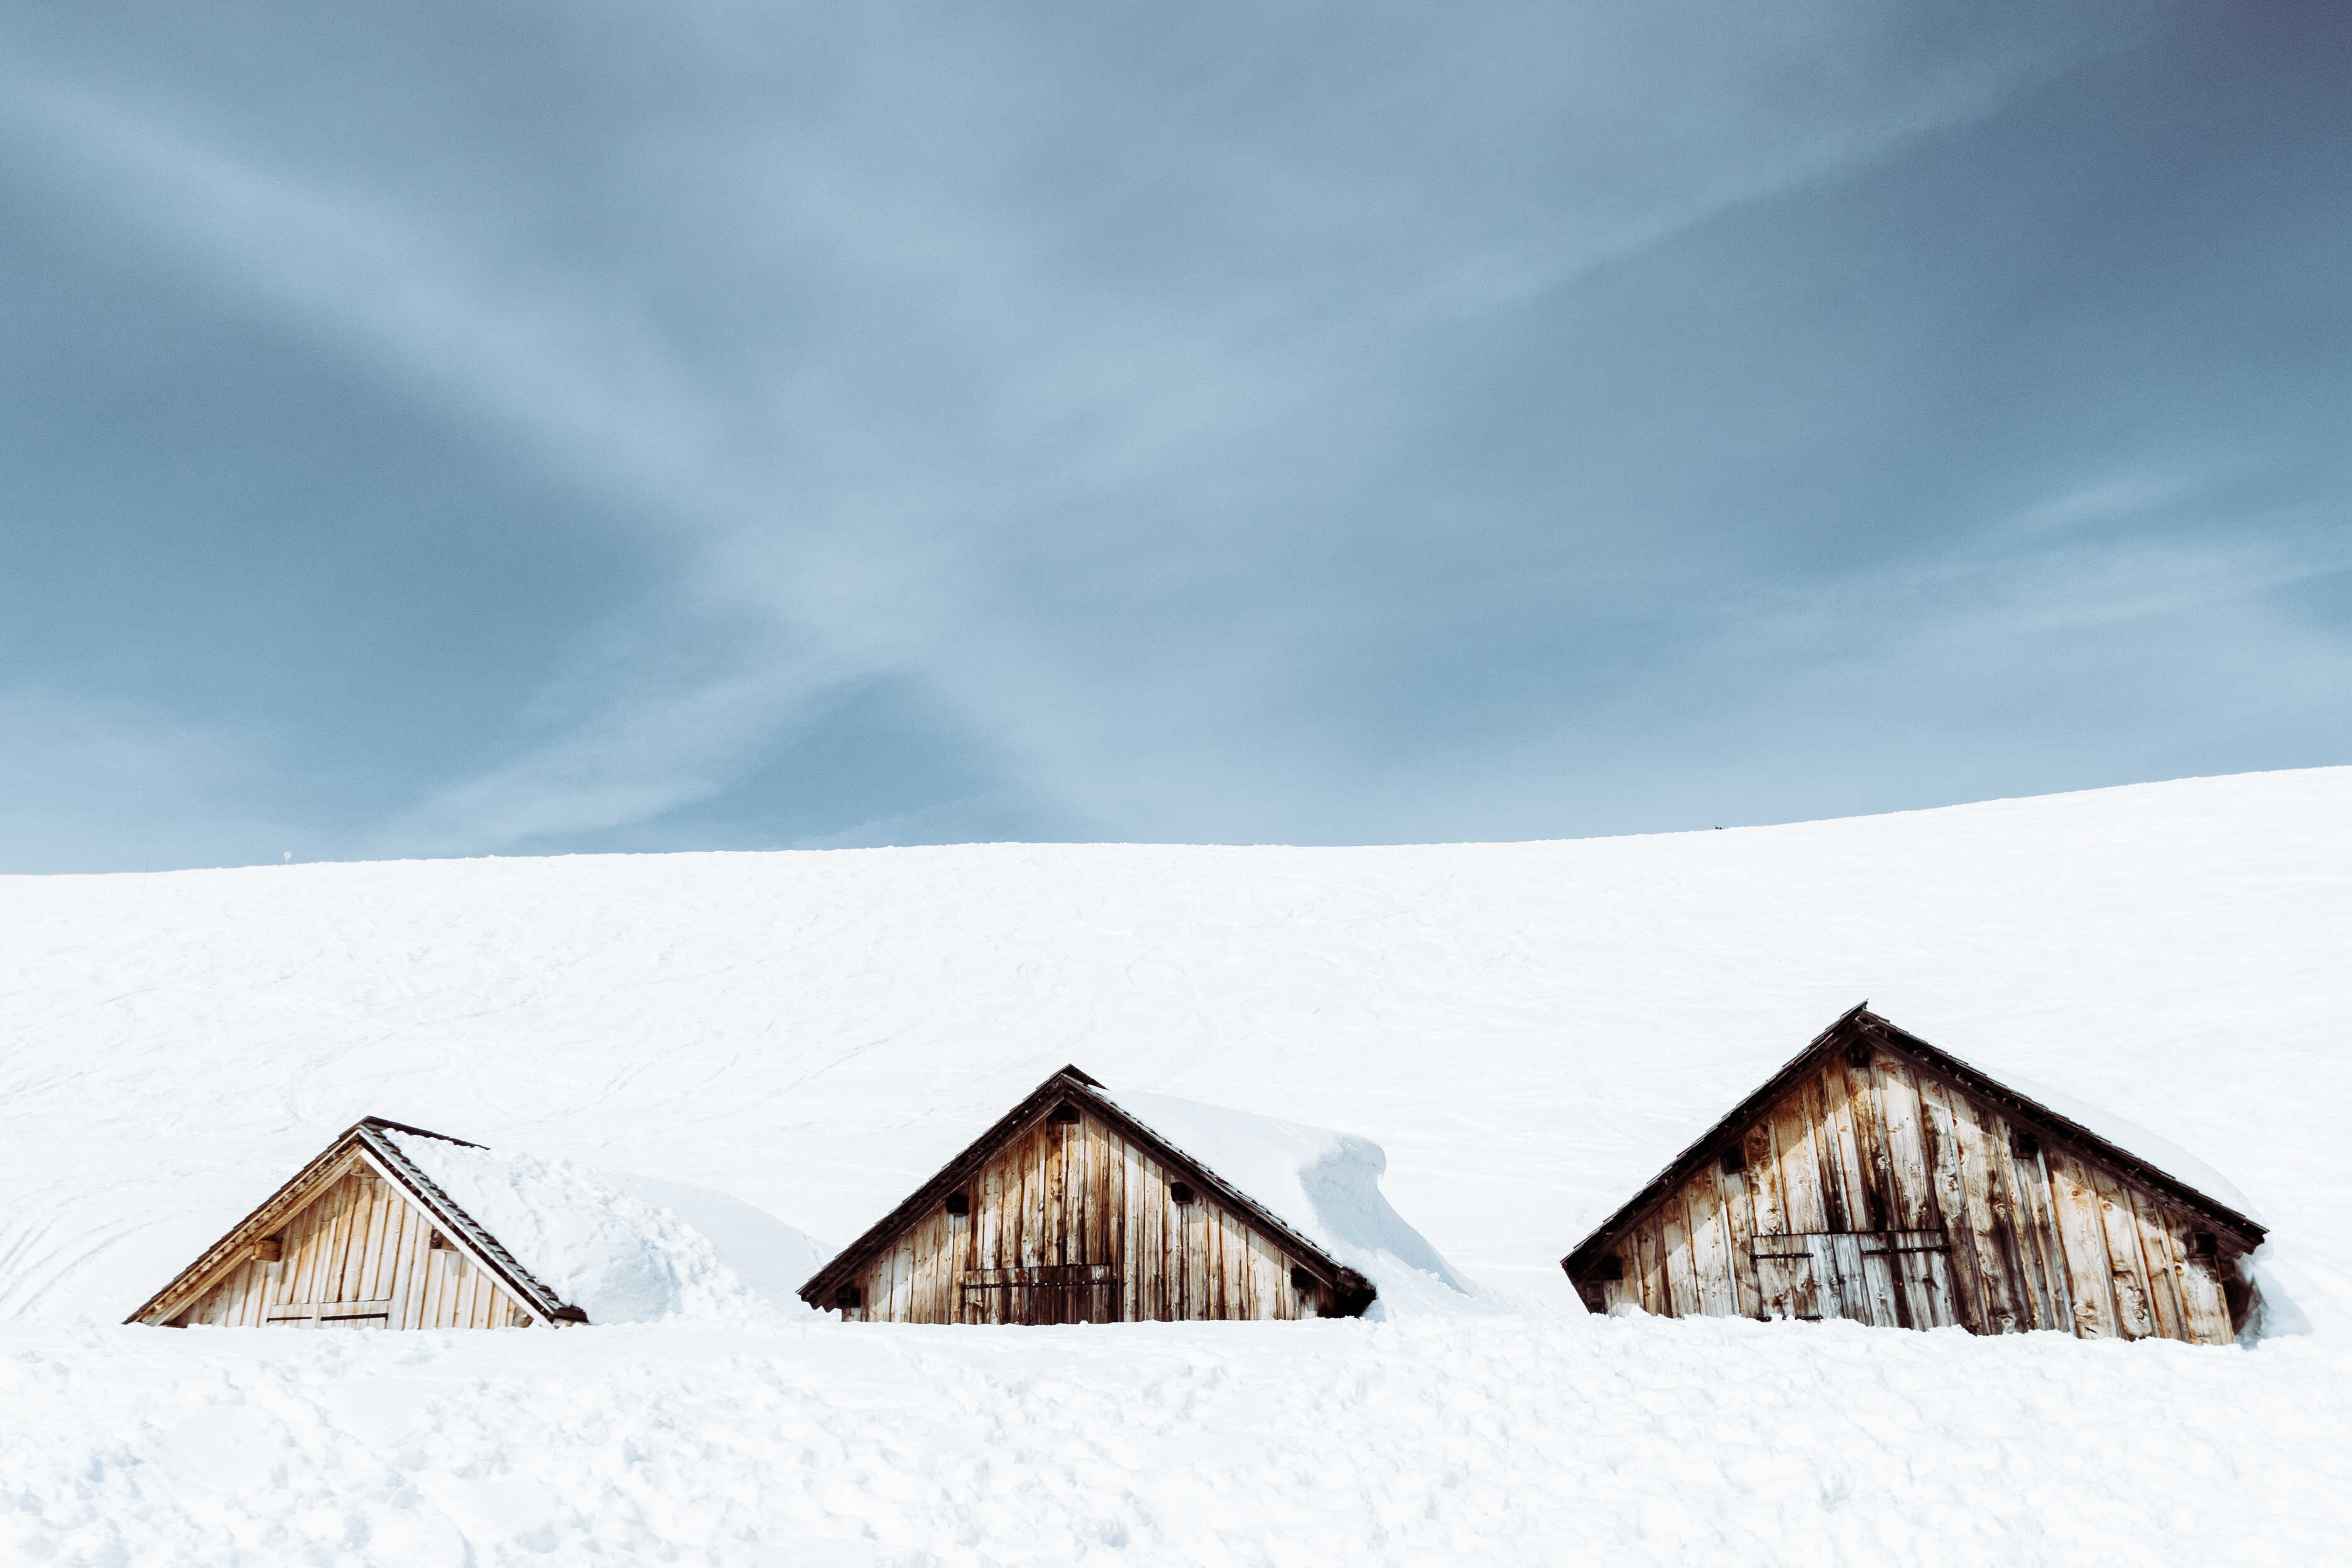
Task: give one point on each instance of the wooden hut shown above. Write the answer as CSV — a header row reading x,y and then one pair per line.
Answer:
x,y
1877,1178
361,1237
1070,1210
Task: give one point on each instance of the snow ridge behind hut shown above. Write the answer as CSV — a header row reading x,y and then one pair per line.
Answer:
x,y
1323,1183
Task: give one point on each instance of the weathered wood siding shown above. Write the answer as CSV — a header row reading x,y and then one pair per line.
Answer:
x,y
1873,1190
1070,1222
359,1255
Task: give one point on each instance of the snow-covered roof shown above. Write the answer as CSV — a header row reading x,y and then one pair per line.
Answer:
x,y
620,1248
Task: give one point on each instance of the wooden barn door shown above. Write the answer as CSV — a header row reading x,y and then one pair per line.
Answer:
x,y
1045,1293
1893,1279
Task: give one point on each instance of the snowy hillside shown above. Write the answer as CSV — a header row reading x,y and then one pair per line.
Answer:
x,y
1527,1031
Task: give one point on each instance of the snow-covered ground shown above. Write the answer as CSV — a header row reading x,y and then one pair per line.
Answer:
x,y
758,1042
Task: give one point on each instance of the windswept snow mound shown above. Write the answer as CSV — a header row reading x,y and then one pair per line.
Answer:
x,y
1326,1186
619,1247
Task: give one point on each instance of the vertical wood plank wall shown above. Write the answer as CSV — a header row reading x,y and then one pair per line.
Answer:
x,y
1072,1198
2004,1236
359,1255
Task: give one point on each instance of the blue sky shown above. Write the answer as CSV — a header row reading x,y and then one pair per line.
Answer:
x,y
474,428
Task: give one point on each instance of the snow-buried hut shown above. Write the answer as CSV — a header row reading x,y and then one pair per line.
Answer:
x,y
1072,1210
364,1237
1878,1179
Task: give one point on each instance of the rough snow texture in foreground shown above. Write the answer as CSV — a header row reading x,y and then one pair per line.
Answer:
x,y
1533,1440
1529,1031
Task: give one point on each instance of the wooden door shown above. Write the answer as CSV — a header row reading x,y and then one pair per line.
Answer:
x,y
1043,1293
1893,1279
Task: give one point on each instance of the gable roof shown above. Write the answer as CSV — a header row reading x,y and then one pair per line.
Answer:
x,y
1069,1084
367,1137
1859,1023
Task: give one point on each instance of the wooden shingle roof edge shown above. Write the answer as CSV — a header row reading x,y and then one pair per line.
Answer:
x,y
1071,1084
368,1133
1859,1022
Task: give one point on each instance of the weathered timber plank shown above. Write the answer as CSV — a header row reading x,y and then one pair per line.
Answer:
x,y
1847,1095
1872,1158
1834,1142
2034,1229
317,1242
1674,1257
1739,1227
1148,1252
1843,1290
1197,1221
1910,1167
1907,1188
1965,1209
1646,1258
1768,1207
359,1281
2134,1294
2204,1302
1053,1241
1119,1206
364,1282
2158,1240
1711,1281
1785,1274
2084,1242
1797,1167
407,1243
438,1290
336,1257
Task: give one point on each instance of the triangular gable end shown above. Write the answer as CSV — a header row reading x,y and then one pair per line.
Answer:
x,y
1274,1271
1876,1177
358,1238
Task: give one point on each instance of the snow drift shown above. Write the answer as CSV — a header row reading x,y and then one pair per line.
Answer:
x,y
1326,1186
607,1244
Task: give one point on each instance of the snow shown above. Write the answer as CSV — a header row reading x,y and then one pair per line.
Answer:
x,y
1513,1037
1325,1185
621,1249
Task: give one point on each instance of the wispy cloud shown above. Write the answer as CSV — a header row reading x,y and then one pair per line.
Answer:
x,y
1001,355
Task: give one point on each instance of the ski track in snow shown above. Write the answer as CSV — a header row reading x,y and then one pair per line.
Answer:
x,y
1527,1030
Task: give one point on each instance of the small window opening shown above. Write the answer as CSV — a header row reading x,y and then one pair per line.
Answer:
x,y
849,1296
1610,1267
1300,1280
1181,1190
2025,1145
1065,1112
2204,1244
1857,1055
1735,1159
959,1202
